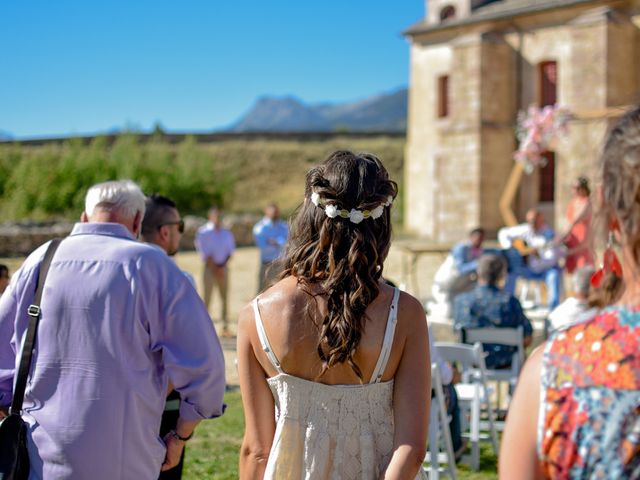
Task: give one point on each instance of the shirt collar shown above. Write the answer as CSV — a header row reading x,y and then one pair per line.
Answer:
x,y
211,226
157,247
98,228
488,287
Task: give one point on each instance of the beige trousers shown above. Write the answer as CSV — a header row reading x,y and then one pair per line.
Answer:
x,y
220,279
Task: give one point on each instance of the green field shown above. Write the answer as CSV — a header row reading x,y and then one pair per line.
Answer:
x,y
213,452
243,175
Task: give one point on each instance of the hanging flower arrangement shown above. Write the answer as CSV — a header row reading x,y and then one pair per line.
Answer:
x,y
537,131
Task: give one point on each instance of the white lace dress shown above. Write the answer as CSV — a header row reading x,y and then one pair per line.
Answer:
x,y
331,431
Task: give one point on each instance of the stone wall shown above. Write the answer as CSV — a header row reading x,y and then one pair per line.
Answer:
x,y
456,168
21,238
498,100
423,138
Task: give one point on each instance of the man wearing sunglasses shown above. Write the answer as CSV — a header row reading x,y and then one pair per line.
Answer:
x,y
162,224
163,227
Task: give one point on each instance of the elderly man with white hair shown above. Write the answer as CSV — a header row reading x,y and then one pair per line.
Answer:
x,y
573,307
120,325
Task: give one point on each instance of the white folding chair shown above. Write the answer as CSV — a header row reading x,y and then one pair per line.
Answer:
x,y
439,462
513,337
472,394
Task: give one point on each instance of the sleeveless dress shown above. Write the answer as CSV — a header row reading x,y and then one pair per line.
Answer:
x,y
589,419
331,431
579,233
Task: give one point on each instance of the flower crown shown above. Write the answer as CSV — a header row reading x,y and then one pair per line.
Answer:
x,y
354,215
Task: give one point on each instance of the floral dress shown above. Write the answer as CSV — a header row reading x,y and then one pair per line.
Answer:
x,y
589,422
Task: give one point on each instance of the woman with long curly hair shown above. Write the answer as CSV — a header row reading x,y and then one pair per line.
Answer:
x,y
333,363
576,411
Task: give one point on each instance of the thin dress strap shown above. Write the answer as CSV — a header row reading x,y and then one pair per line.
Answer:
x,y
387,343
264,341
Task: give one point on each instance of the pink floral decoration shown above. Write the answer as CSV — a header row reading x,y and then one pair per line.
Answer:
x,y
537,131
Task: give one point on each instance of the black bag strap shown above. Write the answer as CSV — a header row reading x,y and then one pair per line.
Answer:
x,y
30,340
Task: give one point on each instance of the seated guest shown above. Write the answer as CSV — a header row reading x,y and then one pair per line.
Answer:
x,y
458,272
533,255
489,306
573,307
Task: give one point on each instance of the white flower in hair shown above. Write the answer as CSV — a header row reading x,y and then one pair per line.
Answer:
x,y
331,211
377,212
389,201
356,216
315,198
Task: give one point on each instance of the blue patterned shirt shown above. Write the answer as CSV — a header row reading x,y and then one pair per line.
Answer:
x,y
488,306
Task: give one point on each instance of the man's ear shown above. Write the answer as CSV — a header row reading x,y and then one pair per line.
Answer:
x,y
137,223
163,232
84,218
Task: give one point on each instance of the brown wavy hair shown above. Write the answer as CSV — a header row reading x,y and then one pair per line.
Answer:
x,y
340,257
620,177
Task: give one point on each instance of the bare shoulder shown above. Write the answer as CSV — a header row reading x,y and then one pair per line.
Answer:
x,y
275,299
279,295
533,366
246,317
411,312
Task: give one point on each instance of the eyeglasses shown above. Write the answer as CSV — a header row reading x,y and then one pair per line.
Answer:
x,y
179,223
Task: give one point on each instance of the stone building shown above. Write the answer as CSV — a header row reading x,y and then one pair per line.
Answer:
x,y
474,65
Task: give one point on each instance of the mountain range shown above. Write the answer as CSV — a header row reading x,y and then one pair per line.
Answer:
x,y
386,112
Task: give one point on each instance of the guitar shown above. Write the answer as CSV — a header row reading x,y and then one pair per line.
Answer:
x,y
523,249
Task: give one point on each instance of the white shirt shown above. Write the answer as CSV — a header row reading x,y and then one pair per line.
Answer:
x,y
548,254
567,312
507,235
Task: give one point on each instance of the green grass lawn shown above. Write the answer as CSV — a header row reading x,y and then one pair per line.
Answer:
x,y
213,452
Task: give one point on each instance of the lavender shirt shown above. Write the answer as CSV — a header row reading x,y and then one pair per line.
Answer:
x,y
119,320
217,243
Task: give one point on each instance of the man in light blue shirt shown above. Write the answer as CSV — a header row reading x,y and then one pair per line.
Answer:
x,y
270,235
120,323
458,272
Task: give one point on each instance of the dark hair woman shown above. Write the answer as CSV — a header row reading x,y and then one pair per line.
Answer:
x,y
333,363
584,385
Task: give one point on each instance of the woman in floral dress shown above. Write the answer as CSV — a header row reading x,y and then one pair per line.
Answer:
x,y
584,383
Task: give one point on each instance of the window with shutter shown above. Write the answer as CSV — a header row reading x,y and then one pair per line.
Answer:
x,y
443,96
548,83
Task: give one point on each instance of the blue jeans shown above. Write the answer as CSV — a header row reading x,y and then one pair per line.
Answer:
x,y
552,277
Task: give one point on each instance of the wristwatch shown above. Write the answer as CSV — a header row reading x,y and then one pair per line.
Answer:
x,y
175,435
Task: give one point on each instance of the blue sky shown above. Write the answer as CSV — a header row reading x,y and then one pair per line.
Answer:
x,y
72,67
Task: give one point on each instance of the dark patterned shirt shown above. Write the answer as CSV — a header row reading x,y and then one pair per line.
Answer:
x,y
488,306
